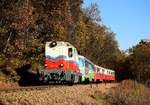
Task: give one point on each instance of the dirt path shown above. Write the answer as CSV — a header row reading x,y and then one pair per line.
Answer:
x,y
65,95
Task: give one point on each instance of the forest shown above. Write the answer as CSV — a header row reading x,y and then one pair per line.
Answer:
x,y
25,26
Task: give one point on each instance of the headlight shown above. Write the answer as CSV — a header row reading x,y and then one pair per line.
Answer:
x,y
52,44
61,65
46,65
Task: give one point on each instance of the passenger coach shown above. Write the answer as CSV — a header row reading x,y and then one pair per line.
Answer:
x,y
87,69
103,74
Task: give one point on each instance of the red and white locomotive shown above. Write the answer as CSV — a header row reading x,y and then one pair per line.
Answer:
x,y
64,64
61,63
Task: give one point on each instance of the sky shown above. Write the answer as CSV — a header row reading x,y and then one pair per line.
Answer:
x,y
129,19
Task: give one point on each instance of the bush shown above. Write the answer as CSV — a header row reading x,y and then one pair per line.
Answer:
x,y
148,83
130,93
2,77
2,59
100,97
1,103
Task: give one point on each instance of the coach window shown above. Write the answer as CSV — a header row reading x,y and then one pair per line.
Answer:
x,y
103,71
82,62
97,70
111,73
92,67
70,52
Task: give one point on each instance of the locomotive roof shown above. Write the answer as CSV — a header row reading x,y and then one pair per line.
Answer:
x,y
61,43
86,59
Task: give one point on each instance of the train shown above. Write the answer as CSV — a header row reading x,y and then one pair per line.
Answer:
x,y
63,64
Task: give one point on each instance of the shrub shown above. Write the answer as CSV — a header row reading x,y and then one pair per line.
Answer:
x,y
130,93
1,103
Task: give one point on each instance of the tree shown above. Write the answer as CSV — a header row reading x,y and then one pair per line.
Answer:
x,y
92,13
101,45
25,26
80,35
139,61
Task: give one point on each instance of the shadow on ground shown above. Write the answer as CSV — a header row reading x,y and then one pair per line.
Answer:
x,y
27,78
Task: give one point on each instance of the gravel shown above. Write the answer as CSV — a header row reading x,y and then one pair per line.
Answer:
x,y
63,95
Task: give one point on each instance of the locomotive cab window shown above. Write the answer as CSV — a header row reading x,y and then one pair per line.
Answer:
x,y
70,52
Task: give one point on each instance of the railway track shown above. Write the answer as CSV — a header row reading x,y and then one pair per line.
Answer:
x,y
42,87
7,90
27,88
